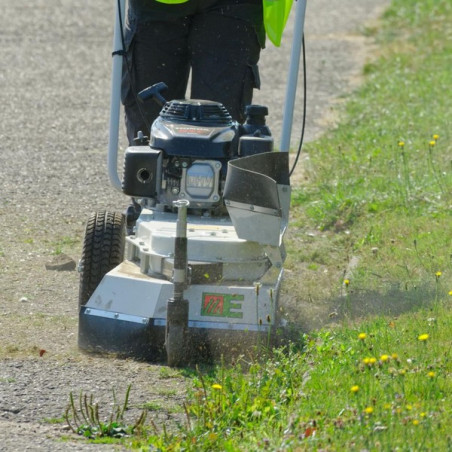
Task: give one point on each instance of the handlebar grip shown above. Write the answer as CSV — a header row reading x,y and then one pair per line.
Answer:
x,y
154,92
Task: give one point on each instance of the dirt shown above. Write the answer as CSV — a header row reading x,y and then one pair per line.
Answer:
x,y
55,79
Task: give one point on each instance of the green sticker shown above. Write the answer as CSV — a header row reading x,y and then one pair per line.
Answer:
x,y
222,305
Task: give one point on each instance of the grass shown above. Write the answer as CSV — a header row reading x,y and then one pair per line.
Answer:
x,y
384,384
379,187
370,235
64,243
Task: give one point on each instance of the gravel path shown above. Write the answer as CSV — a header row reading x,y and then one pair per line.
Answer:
x,y
54,97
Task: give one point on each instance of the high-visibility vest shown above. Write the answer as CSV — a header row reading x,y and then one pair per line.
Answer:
x,y
276,13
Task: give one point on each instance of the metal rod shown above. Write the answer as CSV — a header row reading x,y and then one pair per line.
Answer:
x,y
292,81
115,99
180,250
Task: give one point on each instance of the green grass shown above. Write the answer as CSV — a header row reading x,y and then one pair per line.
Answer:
x,y
379,187
378,195
64,243
376,386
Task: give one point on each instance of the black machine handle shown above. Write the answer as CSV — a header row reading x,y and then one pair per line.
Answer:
x,y
154,92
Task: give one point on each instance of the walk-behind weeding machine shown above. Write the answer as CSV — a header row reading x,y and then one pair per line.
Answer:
x,y
199,271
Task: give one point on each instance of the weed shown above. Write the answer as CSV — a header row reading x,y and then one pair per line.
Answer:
x,y
54,420
8,380
84,419
168,372
64,242
151,406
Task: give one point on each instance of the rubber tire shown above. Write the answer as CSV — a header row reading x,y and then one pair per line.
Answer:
x,y
103,250
175,346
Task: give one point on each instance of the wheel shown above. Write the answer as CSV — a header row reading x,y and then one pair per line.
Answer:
x,y
175,345
103,250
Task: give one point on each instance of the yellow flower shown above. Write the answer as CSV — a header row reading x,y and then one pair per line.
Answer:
x,y
401,143
395,356
369,410
409,407
354,388
450,292
423,337
387,406
217,386
346,282
423,414
366,361
431,374
432,143
384,358
372,360
438,274
402,372
415,422
435,137
362,336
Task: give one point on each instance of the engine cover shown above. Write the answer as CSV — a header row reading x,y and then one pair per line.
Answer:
x,y
195,128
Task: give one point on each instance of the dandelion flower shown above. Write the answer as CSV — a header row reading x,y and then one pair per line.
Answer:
x,y
354,388
366,361
362,336
384,358
438,274
431,374
346,282
423,414
394,356
217,386
450,292
435,137
415,422
368,410
423,337
372,360
432,143
401,144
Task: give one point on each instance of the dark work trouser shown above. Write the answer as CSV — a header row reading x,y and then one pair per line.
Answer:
x,y
222,52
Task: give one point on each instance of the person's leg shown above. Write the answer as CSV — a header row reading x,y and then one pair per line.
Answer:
x,y
157,53
224,55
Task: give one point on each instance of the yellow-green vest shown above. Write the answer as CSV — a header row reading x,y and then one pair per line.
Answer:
x,y
276,13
